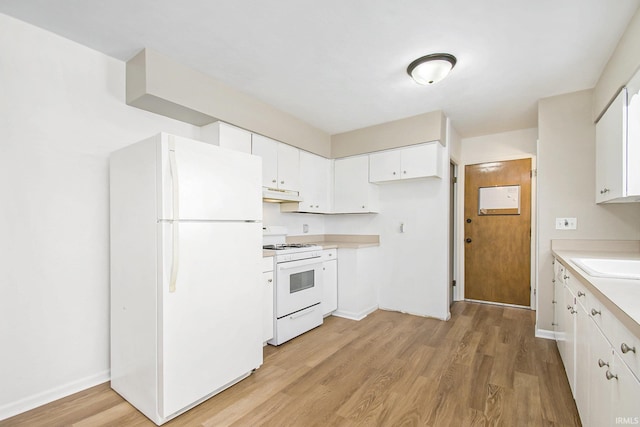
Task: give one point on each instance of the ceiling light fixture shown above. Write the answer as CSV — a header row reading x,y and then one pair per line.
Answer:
x,y
431,68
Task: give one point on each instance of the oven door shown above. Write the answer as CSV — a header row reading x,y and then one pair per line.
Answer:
x,y
298,285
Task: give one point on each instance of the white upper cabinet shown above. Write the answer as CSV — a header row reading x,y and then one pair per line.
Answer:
x,y
618,147
288,167
280,163
227,136
353,193
316,184
420,161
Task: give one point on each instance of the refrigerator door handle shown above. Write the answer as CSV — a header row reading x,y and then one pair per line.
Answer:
x,y
175,232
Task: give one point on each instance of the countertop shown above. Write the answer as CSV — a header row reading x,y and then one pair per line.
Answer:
x,y
333,241
620,296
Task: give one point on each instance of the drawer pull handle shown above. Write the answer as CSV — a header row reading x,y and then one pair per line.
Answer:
x,y
569,307
270,280
626,349
300,314
610,376
594,312
581,294
566,277
602,363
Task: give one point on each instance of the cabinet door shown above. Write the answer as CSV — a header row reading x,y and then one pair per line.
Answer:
x,y
633,135
352,190
600,361
267,314
329,287
384,166
288,167
315,183
421,161
626,394
611,167
582,361
567,351
268,150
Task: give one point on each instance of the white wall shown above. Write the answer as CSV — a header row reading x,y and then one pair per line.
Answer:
x,y
62,111
412,270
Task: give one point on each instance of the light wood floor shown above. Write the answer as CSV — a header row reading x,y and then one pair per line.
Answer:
x,y
483,367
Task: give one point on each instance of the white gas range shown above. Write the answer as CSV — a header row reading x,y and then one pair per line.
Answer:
x,y
298,276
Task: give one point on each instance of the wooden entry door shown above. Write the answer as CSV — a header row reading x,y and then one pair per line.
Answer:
x,y
497,256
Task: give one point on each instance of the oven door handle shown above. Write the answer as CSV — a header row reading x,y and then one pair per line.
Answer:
x,y
290,265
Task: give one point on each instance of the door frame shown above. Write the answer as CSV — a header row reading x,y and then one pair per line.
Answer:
x,y
459,291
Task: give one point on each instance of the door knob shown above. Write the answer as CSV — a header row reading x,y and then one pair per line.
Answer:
x,y
468,240
468,220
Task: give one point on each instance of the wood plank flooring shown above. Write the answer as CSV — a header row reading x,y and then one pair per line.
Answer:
x,y
484,367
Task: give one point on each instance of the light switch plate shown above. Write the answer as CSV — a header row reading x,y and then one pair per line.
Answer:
x,y
566,223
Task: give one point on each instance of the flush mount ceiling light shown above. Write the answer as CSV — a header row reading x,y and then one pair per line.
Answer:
x,y
432,68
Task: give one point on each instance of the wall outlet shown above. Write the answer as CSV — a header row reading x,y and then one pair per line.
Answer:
x,y
566,223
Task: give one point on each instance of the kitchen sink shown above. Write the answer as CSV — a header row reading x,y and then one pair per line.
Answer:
x,y
614,268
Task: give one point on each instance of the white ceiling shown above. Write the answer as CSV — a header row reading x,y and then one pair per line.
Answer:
x,y
341,64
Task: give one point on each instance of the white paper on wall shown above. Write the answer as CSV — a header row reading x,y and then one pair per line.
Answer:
x,y
499,200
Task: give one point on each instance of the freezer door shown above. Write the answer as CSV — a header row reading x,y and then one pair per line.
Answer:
x,y
211,325
201,181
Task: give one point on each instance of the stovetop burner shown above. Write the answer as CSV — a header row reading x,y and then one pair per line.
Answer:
x,y
283,246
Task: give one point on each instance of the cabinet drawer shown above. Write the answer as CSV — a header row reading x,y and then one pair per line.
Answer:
x,y
580,292
295,324
602,317
624,342
267,263
329,254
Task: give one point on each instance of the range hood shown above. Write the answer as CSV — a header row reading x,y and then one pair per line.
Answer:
x,y
279,196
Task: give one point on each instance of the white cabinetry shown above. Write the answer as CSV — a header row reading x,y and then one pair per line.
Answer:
x,y
420,161
618,147
566,343
268,299
600,369
329,281
227,136
353,193
357,282
626,393
316,185
280,163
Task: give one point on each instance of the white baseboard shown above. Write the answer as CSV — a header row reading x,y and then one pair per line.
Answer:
x,y
544,333
48,396
428,316
353,315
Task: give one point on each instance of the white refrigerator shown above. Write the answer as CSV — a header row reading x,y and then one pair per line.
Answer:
x,y
186,250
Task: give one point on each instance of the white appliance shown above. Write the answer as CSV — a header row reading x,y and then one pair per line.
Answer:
x,y
298,290
186,272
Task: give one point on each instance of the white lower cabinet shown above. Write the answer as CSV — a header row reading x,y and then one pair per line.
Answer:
x,y
357,282
568,347
600,359
268,298
589,337
626,394
329,281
